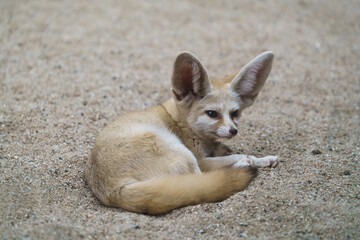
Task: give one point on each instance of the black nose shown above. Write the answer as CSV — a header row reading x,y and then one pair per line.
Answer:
x,y
233,131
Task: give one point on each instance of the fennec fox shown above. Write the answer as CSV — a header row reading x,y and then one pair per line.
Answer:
x,y
167,157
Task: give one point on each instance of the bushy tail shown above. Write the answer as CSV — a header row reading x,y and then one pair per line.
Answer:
x,y
161,195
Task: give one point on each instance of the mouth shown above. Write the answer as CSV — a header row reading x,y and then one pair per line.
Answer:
x,y
214,135
228,137
222,137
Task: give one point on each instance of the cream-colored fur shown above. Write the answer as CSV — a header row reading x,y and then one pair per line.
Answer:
x,y
166,157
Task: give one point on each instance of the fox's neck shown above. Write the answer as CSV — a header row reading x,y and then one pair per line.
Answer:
x,y
174,112
184,131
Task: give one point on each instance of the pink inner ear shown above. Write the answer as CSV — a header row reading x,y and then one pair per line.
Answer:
x,y
186,72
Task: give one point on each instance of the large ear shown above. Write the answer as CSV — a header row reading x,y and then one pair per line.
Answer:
x,y
249,81
189,78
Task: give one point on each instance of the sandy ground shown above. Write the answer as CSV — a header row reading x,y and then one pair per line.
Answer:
x,y
68,68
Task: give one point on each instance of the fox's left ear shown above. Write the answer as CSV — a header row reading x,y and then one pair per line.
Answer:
x,y
249,81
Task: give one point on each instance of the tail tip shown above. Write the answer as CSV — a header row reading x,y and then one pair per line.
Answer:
x,y
253,171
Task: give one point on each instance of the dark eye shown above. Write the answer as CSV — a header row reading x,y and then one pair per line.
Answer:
x,y
235,114
212,114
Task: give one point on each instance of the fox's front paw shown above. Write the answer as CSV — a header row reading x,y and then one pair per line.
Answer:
x,y
246,160
268,161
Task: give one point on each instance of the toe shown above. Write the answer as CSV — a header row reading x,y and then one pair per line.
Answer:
x,y
274,161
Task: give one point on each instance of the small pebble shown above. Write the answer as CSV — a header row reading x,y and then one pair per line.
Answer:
x,y
241,234
136,226
316,152
346,172
217,217
201,231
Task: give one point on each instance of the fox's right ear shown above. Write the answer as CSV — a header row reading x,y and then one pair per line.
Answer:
x,y
249,81
189,78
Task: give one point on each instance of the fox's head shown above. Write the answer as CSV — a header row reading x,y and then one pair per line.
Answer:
x,y
213,107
